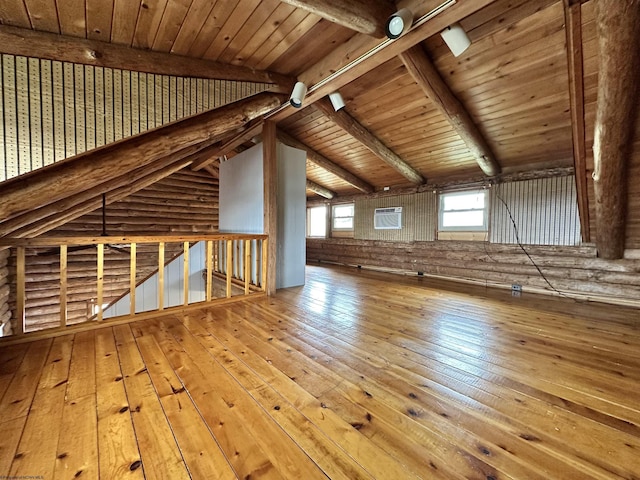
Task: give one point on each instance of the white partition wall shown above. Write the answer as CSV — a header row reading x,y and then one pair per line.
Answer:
x,y
242,205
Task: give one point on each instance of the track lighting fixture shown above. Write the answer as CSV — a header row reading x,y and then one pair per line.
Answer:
x,y
399,23
298,94
456,39
336,100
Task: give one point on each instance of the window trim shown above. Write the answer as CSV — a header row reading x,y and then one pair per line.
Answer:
x,y
468,228
352,217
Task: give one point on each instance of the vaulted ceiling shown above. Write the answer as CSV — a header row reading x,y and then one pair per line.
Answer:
x,y
505,105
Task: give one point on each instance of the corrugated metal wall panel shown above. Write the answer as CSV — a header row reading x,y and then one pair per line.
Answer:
x,y
418,217
52,110
544,211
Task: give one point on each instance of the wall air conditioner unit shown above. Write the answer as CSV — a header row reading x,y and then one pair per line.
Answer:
x,y
387,218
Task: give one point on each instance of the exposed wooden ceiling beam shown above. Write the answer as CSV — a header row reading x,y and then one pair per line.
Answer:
x,y
320,190
326,164
373,143
243,136
350,61
428,78
573,31
29,43
618,32
364,16
86,171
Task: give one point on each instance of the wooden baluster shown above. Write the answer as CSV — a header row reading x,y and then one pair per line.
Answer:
x,y
247,266
229,266
209,268
161,276
63,285
265,261
100,279
132,279
185,272
20,293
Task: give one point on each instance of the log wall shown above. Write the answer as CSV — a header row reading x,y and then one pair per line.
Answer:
x,y
53,110
185,202
570,270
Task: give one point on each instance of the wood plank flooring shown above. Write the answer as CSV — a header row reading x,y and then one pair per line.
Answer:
x,y
356,375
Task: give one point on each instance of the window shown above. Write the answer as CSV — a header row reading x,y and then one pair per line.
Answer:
x,y
317,221
343,217
463,212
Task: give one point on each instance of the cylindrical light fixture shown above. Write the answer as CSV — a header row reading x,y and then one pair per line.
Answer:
x,y
298,94
336,100
456,39
399,23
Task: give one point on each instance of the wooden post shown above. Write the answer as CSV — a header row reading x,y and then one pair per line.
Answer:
x,y
573,31
63,285
264,267
185,272
618,30
132,279
270,168
100,279
229,266
247,266
161,276
209,269
20,291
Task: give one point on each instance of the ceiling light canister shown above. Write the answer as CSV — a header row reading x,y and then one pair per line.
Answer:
x,y
298,94
456,39
336,100
399,23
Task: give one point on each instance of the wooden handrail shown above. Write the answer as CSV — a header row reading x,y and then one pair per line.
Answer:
x,y
229,257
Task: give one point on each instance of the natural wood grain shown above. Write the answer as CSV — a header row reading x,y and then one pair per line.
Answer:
x,y
270,173
320,190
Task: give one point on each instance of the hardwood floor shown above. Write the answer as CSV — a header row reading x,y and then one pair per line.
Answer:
x,y
357,375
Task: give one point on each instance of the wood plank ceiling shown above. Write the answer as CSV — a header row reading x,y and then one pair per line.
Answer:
x,y
513,81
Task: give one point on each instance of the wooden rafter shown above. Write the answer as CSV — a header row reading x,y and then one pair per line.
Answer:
x,y
234,142
373,143
573,30
326,164
320,190
90,169
428,78
339,67
618,31
20,41
364,16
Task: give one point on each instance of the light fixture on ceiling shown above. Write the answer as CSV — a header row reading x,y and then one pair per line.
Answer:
x,y
456,39
298,94
336,100
398,23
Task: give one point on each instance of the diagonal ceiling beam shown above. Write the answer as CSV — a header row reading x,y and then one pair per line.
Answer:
x,y
245,135
364,16
618,32
320,190
573,31
373,143
428,78
326,164
90,169
29,43
363,53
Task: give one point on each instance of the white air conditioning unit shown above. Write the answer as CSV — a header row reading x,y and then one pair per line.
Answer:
x,y
387,218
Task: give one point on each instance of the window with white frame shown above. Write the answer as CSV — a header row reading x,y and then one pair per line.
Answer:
x,y
463,211
317,221
342,217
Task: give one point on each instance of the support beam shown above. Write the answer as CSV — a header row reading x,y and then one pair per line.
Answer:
x,y
618,32
373,143
428,78
364,16
323,162
270,169
573,31
29,43
362,54
320,190
243,136
90,169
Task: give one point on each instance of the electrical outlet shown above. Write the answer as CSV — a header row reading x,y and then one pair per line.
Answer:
x,y
516,288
